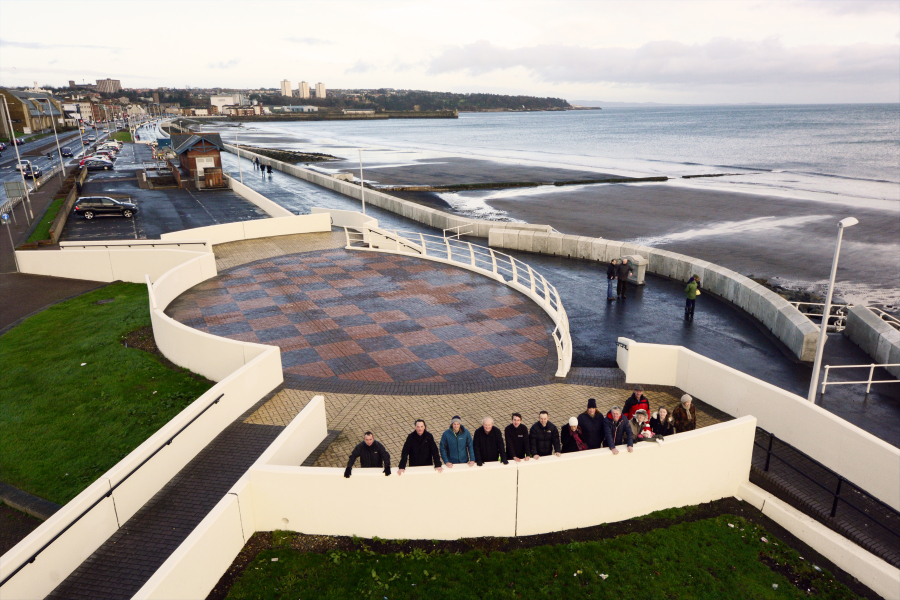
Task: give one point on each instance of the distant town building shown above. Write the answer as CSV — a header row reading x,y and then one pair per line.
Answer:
x,y
156,97
358,111
320,90
293,109
304,89
286,88
108,86
71,83
30,112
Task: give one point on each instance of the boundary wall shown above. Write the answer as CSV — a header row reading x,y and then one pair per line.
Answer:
x,y
872,571
778,315
852,452
876,338
277,494
795,330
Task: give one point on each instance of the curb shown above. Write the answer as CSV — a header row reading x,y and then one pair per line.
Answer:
x,y
27,503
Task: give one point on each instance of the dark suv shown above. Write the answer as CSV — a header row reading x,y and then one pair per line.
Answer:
x,y
66,151
94,206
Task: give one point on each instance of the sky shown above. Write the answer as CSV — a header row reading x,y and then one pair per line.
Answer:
x,y
722,51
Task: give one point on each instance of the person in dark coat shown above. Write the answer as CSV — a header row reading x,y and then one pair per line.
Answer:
x,y
371,455
662,423
420,450
593,425
618,431
488,442
544,437
269,169
572,438
623,271
685,415
636,402
518,446
611,278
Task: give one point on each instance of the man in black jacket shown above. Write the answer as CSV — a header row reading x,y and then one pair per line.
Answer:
x,y
618,431
420,450
371,455
518,447
488,443
544,437
623,271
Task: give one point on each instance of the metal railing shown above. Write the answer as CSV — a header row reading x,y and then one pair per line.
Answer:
x,y
837,321
868,382
107,494
460,230
886,317
883,515
497,265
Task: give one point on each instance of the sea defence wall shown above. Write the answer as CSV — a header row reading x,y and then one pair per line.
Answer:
x,y
785,322
877,339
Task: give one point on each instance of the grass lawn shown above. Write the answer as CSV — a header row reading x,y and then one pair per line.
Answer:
x,y
42,231
721,557
75,400
122,136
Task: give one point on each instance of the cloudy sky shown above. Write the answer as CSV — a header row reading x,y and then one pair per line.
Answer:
x,y
788,51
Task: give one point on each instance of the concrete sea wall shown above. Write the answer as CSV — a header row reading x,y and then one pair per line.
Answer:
x,y
878,339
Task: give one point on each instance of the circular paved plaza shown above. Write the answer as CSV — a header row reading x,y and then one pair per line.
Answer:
x,y
373,317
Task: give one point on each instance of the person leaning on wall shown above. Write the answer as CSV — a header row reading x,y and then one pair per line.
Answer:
x,y
371,455
640,426
572,437
456,445
662,423
685,415
618,431
420,450
544,437
593,425
518,446
488,443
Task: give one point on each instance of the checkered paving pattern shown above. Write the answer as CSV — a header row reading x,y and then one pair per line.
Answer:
x,y
373,317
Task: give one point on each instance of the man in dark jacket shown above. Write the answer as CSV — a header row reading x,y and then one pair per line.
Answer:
x,y
371,455
544,437
611,276
420,450
618,431
636,402
518,447
623,271
489,443
593,425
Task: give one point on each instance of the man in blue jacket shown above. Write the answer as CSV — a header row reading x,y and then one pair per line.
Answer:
x,y
618,431
456,445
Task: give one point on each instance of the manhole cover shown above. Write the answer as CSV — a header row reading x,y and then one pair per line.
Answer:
x,y
107,301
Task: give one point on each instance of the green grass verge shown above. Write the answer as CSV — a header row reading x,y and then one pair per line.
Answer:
x,y
63,424
42,231
122,136
703,559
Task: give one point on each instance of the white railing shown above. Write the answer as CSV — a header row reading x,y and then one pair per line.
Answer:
x,y
837,321
868,382
496,265
460,230
886,317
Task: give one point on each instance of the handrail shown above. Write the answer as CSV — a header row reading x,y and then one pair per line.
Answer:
x,y
869,382
107,494
487,261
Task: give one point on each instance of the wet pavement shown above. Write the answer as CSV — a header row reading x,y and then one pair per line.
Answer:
x,y
652,313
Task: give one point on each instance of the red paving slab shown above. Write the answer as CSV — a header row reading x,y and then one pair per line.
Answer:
x,y
354,316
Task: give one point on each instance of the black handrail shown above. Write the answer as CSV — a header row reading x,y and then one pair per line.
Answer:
x,y
107,494
837,493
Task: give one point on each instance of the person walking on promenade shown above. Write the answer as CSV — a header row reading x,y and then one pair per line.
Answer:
x,y
662,423
488,443
690,293
420,450
623,271
572,438
593,425
269,169
685,415
611,278
456,445
640,426
544,437
518,447
371,455
635,402
618,431
256,164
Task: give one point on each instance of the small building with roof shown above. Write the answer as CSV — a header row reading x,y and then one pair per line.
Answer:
x,y
31,112
198,155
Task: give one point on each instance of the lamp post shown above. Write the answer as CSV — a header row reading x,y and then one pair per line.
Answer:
x,y
820,346
238,146
62,177
362,183
12,133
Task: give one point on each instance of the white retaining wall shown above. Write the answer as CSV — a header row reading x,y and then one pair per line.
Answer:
x,y
255,229
795,330
843,447
103,264
273,210
346,218
877,339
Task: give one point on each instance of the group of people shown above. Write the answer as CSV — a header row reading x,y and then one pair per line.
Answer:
x,y
621,426
261,167
618,272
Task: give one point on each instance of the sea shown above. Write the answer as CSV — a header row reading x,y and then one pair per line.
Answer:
x,y
837,153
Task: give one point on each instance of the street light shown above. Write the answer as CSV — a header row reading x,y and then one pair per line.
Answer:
x,y
62,177
12,133
820,347
362,183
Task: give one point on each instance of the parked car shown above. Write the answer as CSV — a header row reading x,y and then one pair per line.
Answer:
x,y
66,151
97,164
107,154
2,146
97,206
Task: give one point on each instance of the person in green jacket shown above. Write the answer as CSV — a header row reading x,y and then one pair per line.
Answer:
x,y
690,293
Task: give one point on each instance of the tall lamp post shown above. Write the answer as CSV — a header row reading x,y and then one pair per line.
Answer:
x,y
62,176
362,183
820,347
12,133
